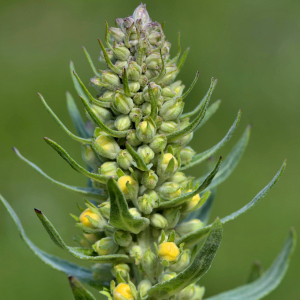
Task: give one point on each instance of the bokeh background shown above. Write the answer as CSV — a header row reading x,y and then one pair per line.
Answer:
x,y
252,47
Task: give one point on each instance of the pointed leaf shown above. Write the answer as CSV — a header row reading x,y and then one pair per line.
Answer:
x,y
262,286
69,268
81,253
89,192
77,86
200,157
62,152
140,164
182,59
120,217
79,291
206,182
195,237
91,62
200,265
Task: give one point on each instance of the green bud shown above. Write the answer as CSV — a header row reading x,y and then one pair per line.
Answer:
x,y
122,238
111,124
122,269
182,263
146,108
156,92
102,113
172,215
104,209
107,96
146,204
166,276
89,156
158,221
171,73
109,53
187,293
110,79
122,103
153,61
185,139
167,127
134,86
171,109
106,246
138,98
164,167
131,191
124,159
178,177
187,227
140,13
134,71
146,153
149,262
199,293
144,286
135,115
159,143
167,92
151,73
149,179
121,64
132,138
109,169
154,37
170,190
121,52
117,34
106,146
134,211
152,194
136,252
143,80
122,122
186,155
146,131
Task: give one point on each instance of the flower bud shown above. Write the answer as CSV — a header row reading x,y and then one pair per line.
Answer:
x,y
153,61
117,34
187,293
123,289
136,252
171,73
168,251
143,80
135,115
106,246
163,164
154,37
170,190
190,204
124,159
187,227
122,103
134,86
168,127
89,238
107,96
166,276
134,71
132,138
199,293
146,204
121,52
167,92
149,262
182,263
144,286
138,98
158,221
141,13
152,194
122,269
146,108
151,74
89,156
172,216
122,122
109,169
186,155
134,211
171,109
104,209
178,177
109,53
106,146
121,64
129,194
185,139
146,153
110,79
84,219
149,179
159,143
146,131
102,113
122,238
156,92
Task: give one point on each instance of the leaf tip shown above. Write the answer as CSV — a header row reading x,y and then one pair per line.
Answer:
x,y
37,211
15,150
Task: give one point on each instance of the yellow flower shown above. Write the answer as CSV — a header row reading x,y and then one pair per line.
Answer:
x,y
143,126
124,290
168,251
193,202
122,183
85,221
105,143
167,157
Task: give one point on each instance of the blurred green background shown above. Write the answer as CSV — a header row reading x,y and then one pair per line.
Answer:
x,y
252,47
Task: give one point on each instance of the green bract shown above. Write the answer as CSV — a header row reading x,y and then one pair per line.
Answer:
x,y
145,225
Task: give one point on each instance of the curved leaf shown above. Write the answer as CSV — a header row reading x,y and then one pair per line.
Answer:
x,y
77,86
140,164
262,286
120,217
200,157
81,253
90,192
183,58
200,265
69,268
91,62
194,237
79,291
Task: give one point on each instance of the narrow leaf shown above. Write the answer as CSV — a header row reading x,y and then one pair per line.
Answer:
x,y
91,62
79,291
78,252
264,285
195,237
77,86
200,265
182,59
62,152
198,158
89,192
140,164
120,217
62,265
